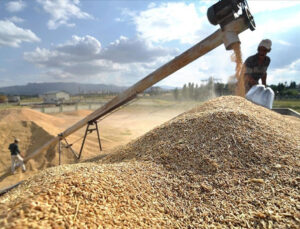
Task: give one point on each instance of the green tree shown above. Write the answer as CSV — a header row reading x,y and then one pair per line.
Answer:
x,y
290,92
185,91
191,90
196,93
280,88
176,93
292,85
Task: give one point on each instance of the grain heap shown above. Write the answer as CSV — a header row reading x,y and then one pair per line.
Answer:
x,y
227,163
33,128
47,122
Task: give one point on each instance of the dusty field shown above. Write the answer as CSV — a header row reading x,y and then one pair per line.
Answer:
x,y
34,129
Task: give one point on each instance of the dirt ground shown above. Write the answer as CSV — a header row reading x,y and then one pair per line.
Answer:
x,y
34,129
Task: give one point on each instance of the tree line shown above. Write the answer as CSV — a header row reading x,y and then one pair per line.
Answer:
x,y
192,91
286,90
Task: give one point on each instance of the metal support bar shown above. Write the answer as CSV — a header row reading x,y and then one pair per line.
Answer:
x,y
59,151
98,135
87,131
85,135
7,189
83,141
69,146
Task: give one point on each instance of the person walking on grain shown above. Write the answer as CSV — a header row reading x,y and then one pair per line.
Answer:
x,y
16,158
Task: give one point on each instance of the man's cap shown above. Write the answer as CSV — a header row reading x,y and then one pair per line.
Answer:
x,y
267,43
17,140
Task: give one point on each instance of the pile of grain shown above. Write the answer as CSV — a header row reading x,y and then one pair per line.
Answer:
x,y
225,133
31,136
33,129
227,163
48,122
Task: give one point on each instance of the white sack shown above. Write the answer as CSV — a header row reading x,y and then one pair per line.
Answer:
x,y
261,95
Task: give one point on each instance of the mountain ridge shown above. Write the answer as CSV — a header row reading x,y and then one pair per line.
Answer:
x,y
70,87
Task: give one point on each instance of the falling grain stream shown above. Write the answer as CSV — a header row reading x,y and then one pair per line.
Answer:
x,y
239,70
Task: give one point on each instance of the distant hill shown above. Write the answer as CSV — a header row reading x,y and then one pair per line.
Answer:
x,y
72,88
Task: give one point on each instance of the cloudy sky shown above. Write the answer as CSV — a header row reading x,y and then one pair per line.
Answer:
x,y
121,42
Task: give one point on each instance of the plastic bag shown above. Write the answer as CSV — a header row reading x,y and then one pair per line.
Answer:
x,y
261,95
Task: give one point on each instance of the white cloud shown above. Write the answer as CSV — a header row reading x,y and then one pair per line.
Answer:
x,y
280,25
16,19
169,21
59,64
126,50
82,57
15,6
267,6
81,46
12,35
190,73
295,66
286,74
152,5
62,11
203,9
57,74
128,12
83,70
285,43
45,58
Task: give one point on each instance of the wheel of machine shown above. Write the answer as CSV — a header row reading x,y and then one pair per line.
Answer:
x,y
248,16
225,11
250,20
212,16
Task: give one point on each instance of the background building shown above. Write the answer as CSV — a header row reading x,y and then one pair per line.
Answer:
x,y
55,97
